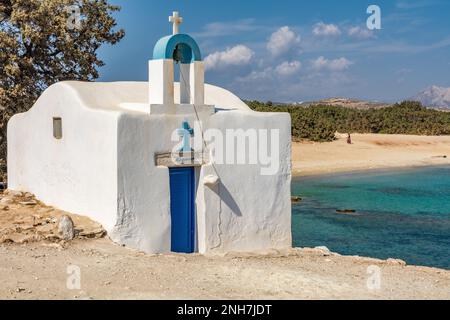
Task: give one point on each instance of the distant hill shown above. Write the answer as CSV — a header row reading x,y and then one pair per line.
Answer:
x,y
434,97
338,102
347,103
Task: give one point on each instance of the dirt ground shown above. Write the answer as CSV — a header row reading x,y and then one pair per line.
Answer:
x,y
108,271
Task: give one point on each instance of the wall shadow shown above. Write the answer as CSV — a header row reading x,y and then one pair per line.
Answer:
x,y
225,195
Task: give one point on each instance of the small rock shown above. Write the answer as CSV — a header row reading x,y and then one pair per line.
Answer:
x,y
26,227
91,234
54,238
50,220
397,262
326,252
4,207
13,193
66,228
19,238
6,200
44,229
5,239
24,220
28,203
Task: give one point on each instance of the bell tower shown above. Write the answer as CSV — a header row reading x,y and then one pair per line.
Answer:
x,y
183,50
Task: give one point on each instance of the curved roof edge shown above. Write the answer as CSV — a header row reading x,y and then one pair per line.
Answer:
x,y
121,96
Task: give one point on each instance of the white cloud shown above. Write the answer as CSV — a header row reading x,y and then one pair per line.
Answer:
x,y
288,68
332,65
360,33
221,29
269,74
307,85
237,56
324,30
282,41
417,4
265,74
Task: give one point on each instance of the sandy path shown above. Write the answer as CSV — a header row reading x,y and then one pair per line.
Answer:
x,y
109,271
369,151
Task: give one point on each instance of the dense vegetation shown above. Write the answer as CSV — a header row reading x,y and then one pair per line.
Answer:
x,y
320,122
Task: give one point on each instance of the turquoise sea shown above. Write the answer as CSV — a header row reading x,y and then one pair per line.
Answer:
x,y
402,214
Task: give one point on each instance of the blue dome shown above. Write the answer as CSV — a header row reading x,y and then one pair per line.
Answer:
x,y
179,47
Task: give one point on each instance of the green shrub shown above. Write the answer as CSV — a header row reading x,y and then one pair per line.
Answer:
x,y
320,122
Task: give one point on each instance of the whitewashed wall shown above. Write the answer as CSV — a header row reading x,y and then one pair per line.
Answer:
x,y
245,212
77,173
248,211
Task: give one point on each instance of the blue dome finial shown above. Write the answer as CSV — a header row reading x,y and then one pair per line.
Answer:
x,y
179,47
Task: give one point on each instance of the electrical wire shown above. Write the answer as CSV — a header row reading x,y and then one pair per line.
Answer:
x,y
188,86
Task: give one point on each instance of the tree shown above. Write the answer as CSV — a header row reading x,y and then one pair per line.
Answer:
x,y
46,41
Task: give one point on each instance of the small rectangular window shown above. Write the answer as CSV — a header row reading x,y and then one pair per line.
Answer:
x,y
57,128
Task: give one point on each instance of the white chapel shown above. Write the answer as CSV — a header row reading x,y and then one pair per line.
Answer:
x,y
164,166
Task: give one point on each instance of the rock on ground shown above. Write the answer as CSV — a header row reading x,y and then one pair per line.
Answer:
x,y
66,228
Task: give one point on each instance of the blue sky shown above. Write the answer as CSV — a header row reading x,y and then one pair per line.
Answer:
x,y
291,50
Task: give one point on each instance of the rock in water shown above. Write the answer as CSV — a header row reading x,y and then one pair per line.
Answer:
x,y
66,228
346,211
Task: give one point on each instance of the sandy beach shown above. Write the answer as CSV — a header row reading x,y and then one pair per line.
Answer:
x,y
369,151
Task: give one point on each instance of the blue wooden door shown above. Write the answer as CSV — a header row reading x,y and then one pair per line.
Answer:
x,y
182,208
